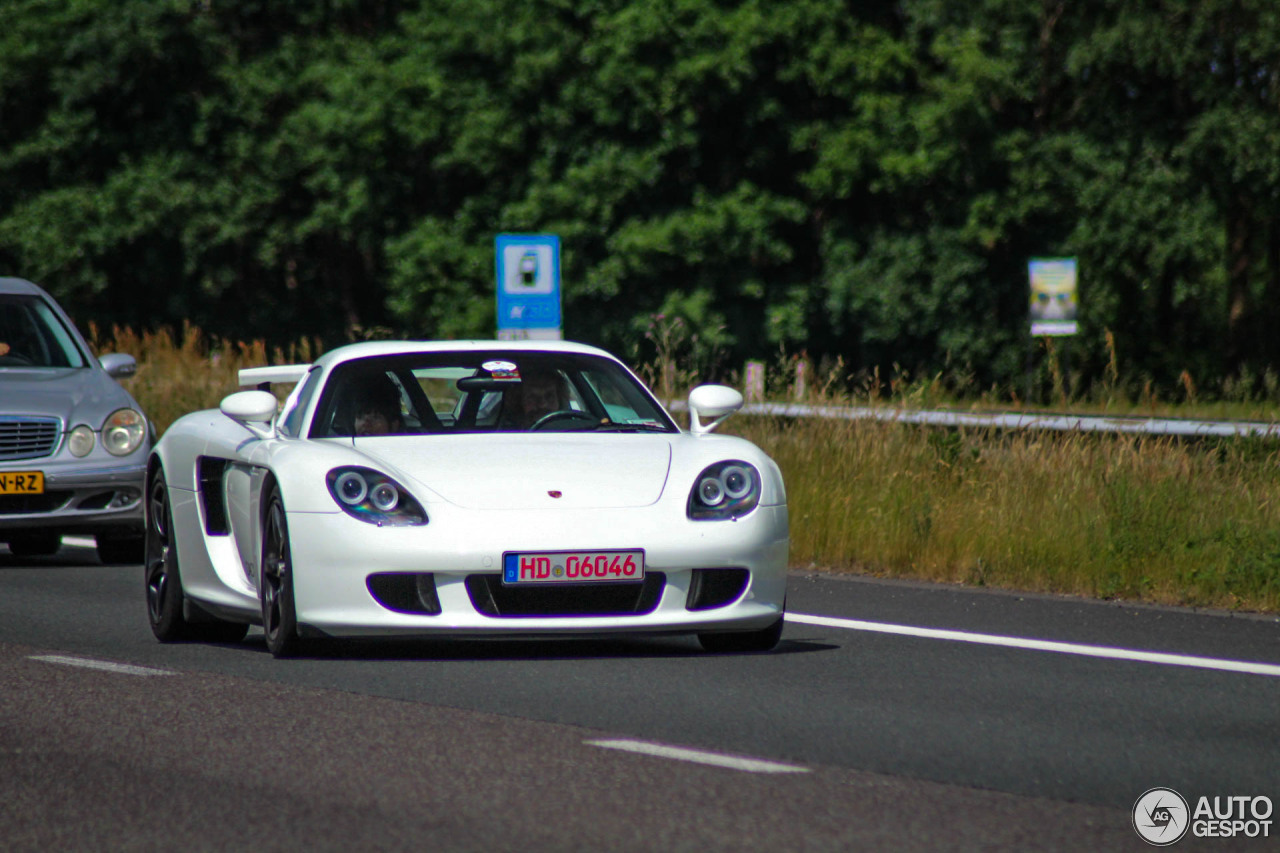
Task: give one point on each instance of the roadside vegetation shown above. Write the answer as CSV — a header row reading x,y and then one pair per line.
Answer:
x,y
181,372
1144,519
856,180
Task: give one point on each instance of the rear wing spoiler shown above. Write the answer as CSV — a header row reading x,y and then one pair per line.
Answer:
x,y
262,377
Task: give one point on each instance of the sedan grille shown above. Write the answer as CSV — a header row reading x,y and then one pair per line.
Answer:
x,y
28,438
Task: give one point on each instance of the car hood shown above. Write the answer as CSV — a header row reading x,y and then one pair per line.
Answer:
x,y
522,471
76,395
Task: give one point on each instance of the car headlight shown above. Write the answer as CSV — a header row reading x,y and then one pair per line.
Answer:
x,y
725,490
123,432
80,441
374,497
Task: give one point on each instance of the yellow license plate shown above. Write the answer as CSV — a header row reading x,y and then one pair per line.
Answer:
x,y
21,482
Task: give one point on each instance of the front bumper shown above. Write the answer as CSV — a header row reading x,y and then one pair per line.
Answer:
x,y
78,498
333,555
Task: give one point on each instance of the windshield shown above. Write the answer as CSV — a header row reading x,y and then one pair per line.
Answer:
x,y
485,391
32,335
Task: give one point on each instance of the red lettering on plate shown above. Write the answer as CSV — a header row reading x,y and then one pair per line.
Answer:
x,y
583,566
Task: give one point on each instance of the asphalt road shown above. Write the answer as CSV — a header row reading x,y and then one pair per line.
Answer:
x,y
860,732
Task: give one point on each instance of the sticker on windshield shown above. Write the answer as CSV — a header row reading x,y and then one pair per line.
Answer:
x,y
502,369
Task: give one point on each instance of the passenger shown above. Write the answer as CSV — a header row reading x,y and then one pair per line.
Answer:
x,y
377,406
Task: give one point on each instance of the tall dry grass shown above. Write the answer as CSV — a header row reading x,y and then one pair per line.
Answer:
x,y
184,371
1155,520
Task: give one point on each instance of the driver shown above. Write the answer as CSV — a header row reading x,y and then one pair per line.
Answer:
x,y
539,394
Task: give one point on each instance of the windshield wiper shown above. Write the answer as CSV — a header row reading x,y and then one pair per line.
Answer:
x,y
619,426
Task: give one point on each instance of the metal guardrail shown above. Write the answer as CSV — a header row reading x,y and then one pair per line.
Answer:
x,y
1010,420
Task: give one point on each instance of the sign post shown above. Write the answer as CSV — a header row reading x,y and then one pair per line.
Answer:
x,y
528,279
1054,305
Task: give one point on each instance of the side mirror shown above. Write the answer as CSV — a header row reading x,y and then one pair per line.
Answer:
x,y
714,402
252,409
119,365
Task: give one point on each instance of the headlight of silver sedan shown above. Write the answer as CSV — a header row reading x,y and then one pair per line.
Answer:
x,y
725,490
123,432
80,441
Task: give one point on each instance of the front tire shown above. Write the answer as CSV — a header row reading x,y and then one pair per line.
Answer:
x,y
35,545
160,566
121,550
279,613
762,640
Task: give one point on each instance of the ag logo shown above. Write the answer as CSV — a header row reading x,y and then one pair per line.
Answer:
x,y
1161,817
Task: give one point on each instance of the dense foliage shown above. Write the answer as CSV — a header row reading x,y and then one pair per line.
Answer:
x,y
861,179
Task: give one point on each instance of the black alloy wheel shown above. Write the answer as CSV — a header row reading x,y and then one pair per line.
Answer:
x,y
164,585
166,610
279,616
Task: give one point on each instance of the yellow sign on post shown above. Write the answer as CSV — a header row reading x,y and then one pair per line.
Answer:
x,y
1053,296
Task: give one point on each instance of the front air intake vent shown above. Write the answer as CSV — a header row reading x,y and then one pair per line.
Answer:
x,y
50,501
493,598
711,588
405,592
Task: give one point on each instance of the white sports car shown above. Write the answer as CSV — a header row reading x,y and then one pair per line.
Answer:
x,y
463,488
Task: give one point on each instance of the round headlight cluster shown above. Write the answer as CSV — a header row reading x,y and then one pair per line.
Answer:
x,y
725,490
123,432
80,441
374,497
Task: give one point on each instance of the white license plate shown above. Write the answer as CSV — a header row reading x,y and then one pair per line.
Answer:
x,y
530,567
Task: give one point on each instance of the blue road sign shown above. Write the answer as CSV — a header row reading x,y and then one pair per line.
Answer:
x,y
528,267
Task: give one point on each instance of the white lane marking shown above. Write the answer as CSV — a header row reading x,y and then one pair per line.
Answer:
x,y
1041,645
698,756
104,665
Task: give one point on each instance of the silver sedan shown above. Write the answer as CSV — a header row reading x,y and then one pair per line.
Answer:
x,y
73,442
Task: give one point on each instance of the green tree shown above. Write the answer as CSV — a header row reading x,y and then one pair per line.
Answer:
x,y
866,179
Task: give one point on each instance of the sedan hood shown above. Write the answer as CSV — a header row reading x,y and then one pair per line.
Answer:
x,y
523,471
76,395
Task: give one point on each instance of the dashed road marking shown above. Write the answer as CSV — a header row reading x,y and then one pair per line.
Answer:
x,y
698,756
104,665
